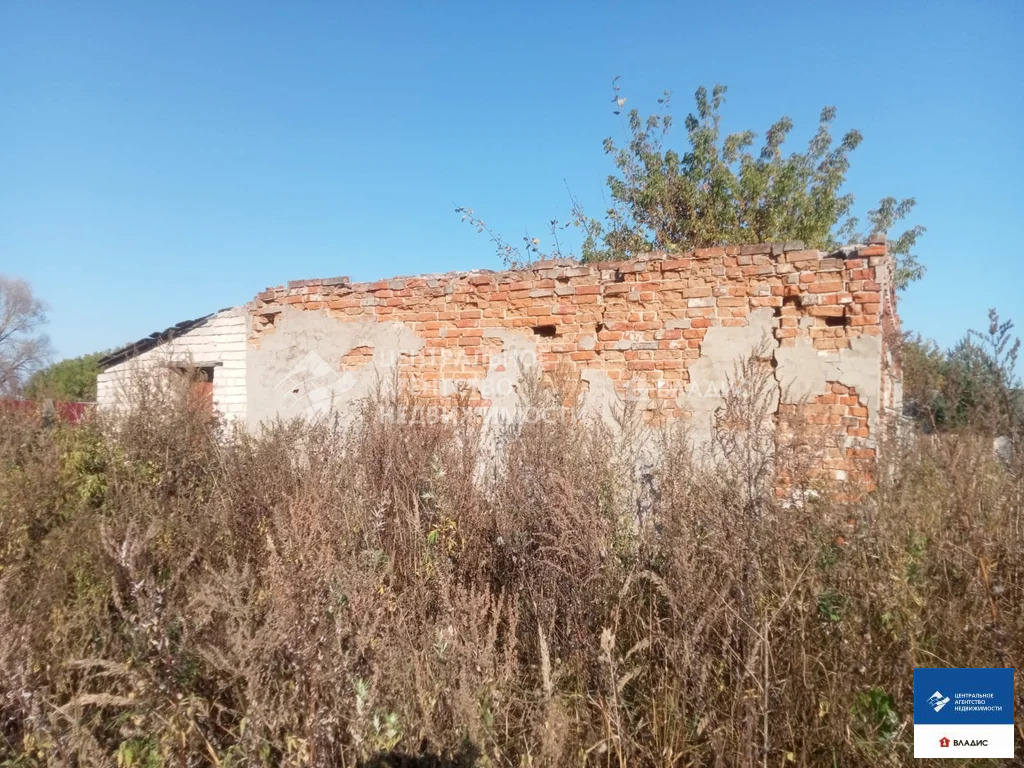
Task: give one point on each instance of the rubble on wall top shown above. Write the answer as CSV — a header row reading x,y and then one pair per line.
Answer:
x,y
876,246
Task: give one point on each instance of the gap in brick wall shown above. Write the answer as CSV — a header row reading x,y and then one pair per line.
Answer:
x,y
545,331
787,301
837,322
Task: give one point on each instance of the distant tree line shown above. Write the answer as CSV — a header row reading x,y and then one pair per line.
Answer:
x,y
975,384
25,351
73,379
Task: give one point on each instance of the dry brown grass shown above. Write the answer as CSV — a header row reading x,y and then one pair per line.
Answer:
x,y
377,594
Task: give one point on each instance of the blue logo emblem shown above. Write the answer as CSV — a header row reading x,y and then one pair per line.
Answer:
x,y
938,701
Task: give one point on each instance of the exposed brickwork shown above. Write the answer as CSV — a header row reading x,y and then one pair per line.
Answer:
x,y
642,323
842,415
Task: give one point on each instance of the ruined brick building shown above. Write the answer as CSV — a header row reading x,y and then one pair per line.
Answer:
x,y
663,332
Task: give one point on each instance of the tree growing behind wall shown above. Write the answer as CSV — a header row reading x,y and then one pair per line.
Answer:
x,y
972,386
23,347
73,379
716,189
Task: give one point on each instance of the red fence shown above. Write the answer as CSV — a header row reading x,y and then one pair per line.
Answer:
x,y
68,412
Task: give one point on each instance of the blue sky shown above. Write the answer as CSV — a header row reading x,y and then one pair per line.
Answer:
x,y
163,160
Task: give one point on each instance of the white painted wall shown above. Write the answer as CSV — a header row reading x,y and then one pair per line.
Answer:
x,y
219,342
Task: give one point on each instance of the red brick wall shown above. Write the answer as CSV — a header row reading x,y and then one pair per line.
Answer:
x,y
642,323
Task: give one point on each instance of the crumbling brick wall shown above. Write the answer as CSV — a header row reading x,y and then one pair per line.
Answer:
x,y
664,331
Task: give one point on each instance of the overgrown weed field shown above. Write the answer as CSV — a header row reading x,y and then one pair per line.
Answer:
x,y
174,594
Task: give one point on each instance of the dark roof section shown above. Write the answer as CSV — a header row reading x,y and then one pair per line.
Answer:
x,y
154,339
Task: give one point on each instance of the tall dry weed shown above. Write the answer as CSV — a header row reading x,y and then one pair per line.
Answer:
x,y
384,593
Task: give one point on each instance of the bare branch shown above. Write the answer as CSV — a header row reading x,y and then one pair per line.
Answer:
x,y
23,348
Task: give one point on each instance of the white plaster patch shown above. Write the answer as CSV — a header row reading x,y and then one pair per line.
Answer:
x,y
297,369
722,350
804,372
